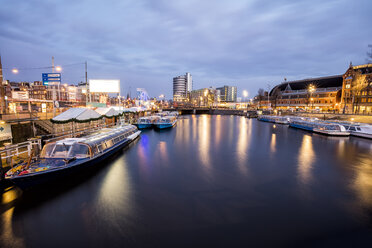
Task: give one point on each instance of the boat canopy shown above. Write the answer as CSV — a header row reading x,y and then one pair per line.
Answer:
x,y
77,115
87,146
108,112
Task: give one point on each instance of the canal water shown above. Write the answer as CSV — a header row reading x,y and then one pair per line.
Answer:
x,y
211,181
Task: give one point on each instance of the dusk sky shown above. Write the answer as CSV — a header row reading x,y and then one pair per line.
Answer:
x,y
145,43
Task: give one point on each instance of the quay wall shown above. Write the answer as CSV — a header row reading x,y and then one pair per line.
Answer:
x,y
331,116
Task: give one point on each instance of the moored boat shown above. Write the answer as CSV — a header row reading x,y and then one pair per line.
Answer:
x,y
274,119
144,122
71,155
358,129
165,122
320,127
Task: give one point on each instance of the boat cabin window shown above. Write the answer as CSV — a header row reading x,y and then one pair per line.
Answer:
x,y
352,128
55,151
79,151
358,128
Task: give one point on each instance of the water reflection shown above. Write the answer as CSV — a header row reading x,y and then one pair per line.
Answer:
x,y
363,180
218,131
163,151
243,144
115,192
7,236
273,143
204,139
306,158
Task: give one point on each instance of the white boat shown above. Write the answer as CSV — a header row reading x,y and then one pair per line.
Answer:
x,y
165,122
320,127
358,129
274,119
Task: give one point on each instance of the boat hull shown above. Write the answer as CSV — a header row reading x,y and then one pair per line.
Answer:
x,y
164,125
31,181
144,126
361,135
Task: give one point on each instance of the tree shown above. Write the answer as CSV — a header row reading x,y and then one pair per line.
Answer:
x,y
261,92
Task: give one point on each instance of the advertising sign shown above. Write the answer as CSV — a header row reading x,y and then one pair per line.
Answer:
x,y
5,131
104,86
51,78
43,108
20,95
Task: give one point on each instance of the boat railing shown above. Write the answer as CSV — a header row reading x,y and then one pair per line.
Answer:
x,y
14,154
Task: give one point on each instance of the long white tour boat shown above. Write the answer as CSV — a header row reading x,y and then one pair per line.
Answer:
x,y
165,122
358,129
69,156
320,127
274,119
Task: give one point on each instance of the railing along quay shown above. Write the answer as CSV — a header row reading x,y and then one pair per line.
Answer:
x,y
13,154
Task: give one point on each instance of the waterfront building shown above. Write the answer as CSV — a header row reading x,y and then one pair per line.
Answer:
x,y
357,89
38,90
205,97
182,86
228,93
322,94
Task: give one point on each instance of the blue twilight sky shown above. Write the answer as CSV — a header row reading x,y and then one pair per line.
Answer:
x,y
145,43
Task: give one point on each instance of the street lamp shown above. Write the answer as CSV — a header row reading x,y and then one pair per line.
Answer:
x,y
15,70
311,89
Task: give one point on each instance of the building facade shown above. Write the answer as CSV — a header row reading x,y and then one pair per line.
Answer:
x,y
228,93
323,94
182,86
356,89
206,97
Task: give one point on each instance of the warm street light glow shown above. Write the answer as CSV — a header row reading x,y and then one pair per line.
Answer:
x,y
312,99
58,68
205,92
245,93
15,70
311,88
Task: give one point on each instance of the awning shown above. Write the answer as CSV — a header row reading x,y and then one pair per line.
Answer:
x,y
107,112
77,115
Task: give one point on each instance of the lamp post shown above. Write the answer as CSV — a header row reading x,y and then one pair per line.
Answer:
x,y
311,89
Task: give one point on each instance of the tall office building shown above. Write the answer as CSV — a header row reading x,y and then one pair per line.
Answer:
x,y
182,86
228,93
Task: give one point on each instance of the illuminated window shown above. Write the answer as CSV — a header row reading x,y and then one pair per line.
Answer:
x,y
347,86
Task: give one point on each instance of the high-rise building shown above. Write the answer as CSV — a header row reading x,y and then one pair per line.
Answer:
x,y
228,93
182,86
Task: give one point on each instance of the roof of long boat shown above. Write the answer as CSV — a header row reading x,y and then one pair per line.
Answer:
x,y
106,133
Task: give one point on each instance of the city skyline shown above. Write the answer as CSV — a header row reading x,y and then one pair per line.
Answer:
x,y
145,44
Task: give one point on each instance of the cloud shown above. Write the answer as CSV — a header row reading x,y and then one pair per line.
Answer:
x,y
145,43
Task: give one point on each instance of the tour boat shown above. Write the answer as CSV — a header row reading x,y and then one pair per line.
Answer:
x,y
274,119
165,122
358,129
146,122
71,155
320,127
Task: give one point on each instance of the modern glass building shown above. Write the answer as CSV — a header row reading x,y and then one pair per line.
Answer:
x,y
182,86
228,93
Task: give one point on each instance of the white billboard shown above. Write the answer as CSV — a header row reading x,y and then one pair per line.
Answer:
x,y
104,86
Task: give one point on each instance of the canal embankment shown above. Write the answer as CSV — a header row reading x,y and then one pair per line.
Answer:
x,y
333,116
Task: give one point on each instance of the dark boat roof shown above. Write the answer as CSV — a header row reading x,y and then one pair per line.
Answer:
x,y
321,82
